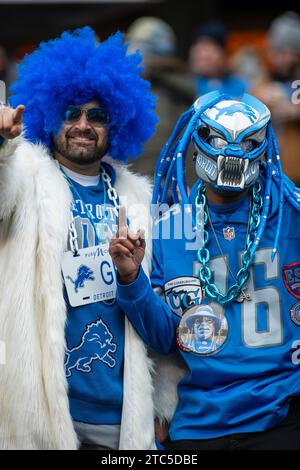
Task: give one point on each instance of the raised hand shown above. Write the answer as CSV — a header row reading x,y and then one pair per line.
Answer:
x,y
11,121
127,250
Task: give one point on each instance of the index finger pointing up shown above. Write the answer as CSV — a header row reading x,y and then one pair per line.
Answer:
x,y
18,114
122,223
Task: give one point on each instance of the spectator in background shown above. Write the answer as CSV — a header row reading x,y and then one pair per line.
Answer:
x,y
276,89
171,83
209,61
247,62
8,66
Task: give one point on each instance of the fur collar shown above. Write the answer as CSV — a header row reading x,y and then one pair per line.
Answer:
x,y
35,215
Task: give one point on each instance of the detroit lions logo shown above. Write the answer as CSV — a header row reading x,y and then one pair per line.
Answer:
x,y
237,108
96,345
84,273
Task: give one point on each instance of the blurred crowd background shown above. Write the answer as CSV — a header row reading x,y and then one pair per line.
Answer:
x,y
189,48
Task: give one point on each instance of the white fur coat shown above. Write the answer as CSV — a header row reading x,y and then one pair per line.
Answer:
x,y
35,215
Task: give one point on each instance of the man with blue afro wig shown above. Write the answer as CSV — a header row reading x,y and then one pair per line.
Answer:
x,y
76,374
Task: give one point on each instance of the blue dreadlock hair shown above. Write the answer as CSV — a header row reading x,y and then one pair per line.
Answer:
x,y
74,69
171,162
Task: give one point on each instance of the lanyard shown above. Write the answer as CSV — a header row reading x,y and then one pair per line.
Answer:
x,y
113,196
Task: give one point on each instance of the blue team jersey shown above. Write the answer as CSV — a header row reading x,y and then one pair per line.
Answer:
x,y
239,378
94,369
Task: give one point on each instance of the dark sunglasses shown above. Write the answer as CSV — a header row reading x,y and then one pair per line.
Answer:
x,y
94,115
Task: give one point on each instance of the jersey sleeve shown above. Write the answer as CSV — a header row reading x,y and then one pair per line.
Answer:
x,y
146,310
157,274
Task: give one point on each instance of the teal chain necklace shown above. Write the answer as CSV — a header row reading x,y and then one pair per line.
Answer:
x,y
202,220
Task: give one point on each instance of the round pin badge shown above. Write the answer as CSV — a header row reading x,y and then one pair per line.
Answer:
x,y
182,293
295,313
201,330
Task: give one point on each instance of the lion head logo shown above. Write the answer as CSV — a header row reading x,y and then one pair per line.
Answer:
x,y
84,273
96,345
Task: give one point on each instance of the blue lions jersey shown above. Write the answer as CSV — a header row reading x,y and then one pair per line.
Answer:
x,y
243,361
95,332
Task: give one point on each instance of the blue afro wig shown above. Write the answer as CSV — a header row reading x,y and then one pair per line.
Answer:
x,y
74,69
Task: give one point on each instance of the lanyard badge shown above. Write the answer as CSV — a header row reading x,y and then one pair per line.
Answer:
x,y
89,273
89,276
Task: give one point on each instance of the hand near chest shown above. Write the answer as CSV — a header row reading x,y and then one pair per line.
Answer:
x,y
127,250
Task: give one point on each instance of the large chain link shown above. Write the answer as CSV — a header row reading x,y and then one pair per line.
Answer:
x,y
204,255
73,238
111,192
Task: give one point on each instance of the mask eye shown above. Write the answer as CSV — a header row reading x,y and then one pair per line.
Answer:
x,y
203,132
217,143
248,145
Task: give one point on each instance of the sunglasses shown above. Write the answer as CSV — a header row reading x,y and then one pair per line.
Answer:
x,y
93,115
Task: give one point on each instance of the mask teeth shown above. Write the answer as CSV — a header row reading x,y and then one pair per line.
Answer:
x,y
231,172
221,161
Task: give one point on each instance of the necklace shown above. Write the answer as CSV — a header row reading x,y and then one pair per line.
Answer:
x,y
237,290
243,296
113,197
87,210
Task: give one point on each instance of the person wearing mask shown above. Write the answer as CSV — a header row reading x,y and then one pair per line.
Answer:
x,y
228,253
